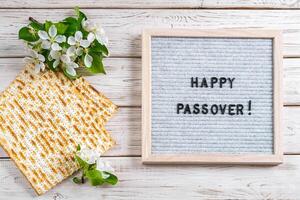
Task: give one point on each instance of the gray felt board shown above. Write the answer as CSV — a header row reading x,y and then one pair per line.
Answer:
x,y
176,59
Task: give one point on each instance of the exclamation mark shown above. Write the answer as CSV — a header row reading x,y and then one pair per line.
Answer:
x,y
249,107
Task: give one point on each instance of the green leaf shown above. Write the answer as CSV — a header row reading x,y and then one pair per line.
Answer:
x,y
36,26
47,25
78,147
84,33
77,180
81,162
28,34
94,177
73,26
70,20
96,47
97,64
50,65
64,45
111,179
80,15
61,28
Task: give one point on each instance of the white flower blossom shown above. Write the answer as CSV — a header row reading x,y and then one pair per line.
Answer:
x,y
93,157
69,64
51,40
56,56
104,165
88,155
88,60
37,60
77,43
66,59
96,31
76,49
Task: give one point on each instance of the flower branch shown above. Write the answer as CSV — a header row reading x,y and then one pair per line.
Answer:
x,y
73,43
97,171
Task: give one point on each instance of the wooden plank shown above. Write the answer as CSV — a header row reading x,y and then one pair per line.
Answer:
x,y
124,26
122,83
191,182
291,79
152,4
126,129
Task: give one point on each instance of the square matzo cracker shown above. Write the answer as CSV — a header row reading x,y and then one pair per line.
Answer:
x,y
42,123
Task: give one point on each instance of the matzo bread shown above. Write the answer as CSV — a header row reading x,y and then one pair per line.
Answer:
x,y
105,110
42,124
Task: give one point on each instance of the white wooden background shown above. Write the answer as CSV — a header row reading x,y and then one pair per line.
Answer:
x,y
124,21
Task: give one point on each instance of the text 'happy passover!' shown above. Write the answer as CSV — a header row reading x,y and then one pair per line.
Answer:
x,y
214,109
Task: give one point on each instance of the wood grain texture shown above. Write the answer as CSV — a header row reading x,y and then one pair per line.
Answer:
x,y
122,83
196,182
292,4
124,26
291,69
123,86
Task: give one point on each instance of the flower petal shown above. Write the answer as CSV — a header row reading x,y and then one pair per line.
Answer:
x,y
28,60
55,54
71,40
78,36
100,165
88,25
88,155
41,58
102,39
73,64
104,166
52,31
71,71
65,59
46,44
56,47
37,68
93,156
79,51
71,51
91,37
88,60
55,64
43,35
33,53
84,153
85,43
50,57
60,38
42,66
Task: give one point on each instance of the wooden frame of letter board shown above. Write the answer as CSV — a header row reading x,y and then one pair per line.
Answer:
x,y
216,158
